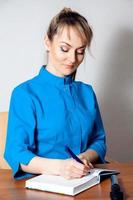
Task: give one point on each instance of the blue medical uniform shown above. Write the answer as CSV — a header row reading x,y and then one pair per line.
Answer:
x,y
48,112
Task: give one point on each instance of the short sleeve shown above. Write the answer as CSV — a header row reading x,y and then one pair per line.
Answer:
x,y
20,143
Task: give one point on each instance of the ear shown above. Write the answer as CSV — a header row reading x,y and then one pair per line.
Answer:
x,y
47,43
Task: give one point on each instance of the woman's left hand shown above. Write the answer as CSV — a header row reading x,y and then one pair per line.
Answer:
x,y
86,161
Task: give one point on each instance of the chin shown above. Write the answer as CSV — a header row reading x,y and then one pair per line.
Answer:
x,y
68,72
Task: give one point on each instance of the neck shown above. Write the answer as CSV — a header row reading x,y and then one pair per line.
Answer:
x,y
53,70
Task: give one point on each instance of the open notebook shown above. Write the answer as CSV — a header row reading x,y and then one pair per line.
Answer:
x,y
72,187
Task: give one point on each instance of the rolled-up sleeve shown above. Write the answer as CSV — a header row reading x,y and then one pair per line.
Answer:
x,y
20,143
98,140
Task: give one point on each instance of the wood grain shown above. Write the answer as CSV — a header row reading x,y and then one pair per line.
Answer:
x,y
15,190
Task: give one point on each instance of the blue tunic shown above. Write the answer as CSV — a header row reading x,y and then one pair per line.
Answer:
x,y
48,112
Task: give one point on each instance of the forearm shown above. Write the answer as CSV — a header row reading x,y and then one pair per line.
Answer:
x,y
90,155
39,165
68,168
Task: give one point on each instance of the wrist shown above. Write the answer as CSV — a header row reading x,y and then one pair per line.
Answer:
x,y
55,166
51,166
62,164
59,166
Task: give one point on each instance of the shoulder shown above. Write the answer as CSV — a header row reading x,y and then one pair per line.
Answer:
x,y
87,88
24,88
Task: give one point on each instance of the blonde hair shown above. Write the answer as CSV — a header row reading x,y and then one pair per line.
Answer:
x,y
67,17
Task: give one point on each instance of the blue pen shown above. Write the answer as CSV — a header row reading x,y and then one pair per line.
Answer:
x,y
69,151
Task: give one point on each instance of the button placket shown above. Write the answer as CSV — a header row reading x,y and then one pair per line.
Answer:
x,y
69,98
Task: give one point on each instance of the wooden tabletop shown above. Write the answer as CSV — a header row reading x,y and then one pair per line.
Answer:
x,y
15,190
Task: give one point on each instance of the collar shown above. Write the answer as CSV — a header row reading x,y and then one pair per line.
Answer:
x,y
60,82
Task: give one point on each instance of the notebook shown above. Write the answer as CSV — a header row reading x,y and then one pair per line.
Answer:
x,y
58,184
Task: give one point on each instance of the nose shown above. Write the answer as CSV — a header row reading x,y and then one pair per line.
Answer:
x,y
72,57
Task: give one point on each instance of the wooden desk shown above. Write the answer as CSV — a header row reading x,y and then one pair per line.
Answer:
x,y
14,190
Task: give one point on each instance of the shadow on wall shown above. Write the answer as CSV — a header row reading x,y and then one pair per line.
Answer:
x,y
118,96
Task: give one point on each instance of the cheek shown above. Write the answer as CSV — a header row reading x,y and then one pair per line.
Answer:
x,y
58,55
80,59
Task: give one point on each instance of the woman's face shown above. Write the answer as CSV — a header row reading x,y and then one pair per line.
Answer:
x,y
66,52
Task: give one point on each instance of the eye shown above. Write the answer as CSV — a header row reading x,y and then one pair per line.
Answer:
x,y
64,49
81,52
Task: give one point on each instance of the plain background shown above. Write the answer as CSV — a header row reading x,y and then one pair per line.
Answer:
x,y
108,67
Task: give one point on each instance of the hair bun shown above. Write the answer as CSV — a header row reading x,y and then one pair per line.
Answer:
x,y
66,10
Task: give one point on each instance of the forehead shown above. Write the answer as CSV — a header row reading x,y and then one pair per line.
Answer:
x,y
70,35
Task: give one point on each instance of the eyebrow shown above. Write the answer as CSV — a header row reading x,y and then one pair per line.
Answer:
x,y
71,46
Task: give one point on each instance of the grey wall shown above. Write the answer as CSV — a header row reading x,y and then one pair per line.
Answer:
x,y
109,68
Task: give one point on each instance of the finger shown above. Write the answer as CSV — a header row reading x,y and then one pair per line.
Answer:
x,y
85,162
80,166
83,169
76,169
80,173
91,166
73,173
88,166
77,174
73,168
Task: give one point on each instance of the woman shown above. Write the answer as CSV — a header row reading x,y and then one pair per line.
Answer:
x,y
53,110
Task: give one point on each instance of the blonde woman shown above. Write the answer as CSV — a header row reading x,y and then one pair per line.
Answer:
x,y
53,110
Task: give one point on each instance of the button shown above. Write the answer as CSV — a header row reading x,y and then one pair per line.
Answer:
x,y
65,88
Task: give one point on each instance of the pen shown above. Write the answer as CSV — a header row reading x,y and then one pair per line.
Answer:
x,y
69,151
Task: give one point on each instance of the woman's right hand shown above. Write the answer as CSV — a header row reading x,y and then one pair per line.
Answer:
x,y
71,169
